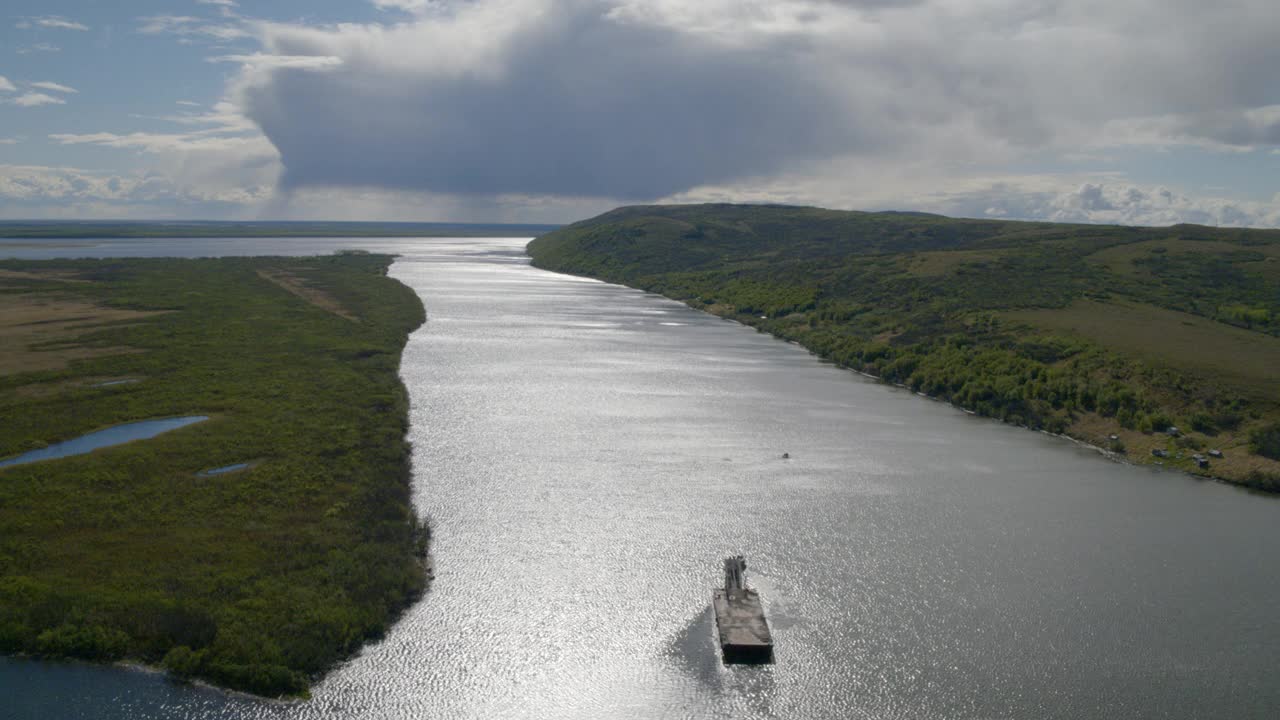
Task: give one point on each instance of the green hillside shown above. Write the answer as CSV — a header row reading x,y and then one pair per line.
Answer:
x,y
1092,331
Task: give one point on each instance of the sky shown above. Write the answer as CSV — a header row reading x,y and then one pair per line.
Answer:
x,y
1148,112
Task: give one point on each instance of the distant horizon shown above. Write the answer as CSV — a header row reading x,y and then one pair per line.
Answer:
x,y
10,223
214,221
141,229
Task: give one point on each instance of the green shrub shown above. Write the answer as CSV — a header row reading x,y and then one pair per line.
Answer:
x,y
1263,480
1189,442
1203,422
259,678
1159,421
1265,441
183,662
92,642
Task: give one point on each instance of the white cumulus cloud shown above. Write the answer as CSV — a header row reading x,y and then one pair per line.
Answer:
x,y
409,6
56,22
186,26
53,86
36,99
1112,202
257,62
163,142
37,47
44,191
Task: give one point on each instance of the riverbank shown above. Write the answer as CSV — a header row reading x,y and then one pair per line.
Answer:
x,y
1103,448
1090,430
1131,339
257,579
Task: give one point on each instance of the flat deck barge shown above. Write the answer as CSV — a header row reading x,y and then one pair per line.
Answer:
x,y
740,622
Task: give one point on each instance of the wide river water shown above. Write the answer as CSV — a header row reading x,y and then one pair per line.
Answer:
x,y
588,453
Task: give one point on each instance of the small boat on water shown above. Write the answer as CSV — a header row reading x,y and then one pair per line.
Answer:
x,y
740,622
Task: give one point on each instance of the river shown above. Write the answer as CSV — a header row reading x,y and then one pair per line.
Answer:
x,y
588,453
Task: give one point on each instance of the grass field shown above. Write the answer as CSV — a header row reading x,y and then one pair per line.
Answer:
x,y
260,579
1200,348
1120,258
39,331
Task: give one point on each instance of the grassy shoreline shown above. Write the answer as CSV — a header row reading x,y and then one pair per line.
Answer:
x,y
258,580
998,318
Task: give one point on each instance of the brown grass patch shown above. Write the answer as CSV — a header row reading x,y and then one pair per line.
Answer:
x,y
28,322
48,275
299,287
47,389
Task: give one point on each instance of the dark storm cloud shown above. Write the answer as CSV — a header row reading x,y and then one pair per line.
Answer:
x,y
581,106
645,98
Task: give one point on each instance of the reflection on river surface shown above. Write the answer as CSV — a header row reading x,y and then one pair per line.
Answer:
x,y
589,453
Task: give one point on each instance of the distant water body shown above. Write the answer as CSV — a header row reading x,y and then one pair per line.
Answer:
x,y
588,453
109,437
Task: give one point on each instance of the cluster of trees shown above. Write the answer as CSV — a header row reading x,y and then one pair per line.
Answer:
x,y
1235,287
1265,441
260,579
1012,384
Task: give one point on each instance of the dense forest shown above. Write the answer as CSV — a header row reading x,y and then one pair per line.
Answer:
x,y
259,579
1159,343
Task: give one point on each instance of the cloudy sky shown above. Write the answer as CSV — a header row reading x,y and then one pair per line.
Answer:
x,y
1132,111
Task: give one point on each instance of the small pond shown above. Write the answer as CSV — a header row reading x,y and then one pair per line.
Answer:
x,y
117,435
223,470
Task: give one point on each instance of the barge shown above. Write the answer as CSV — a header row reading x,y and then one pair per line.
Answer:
x,y
740,622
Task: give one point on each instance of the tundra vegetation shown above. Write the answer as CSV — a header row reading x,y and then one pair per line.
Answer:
x,y
258,579
1133,339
